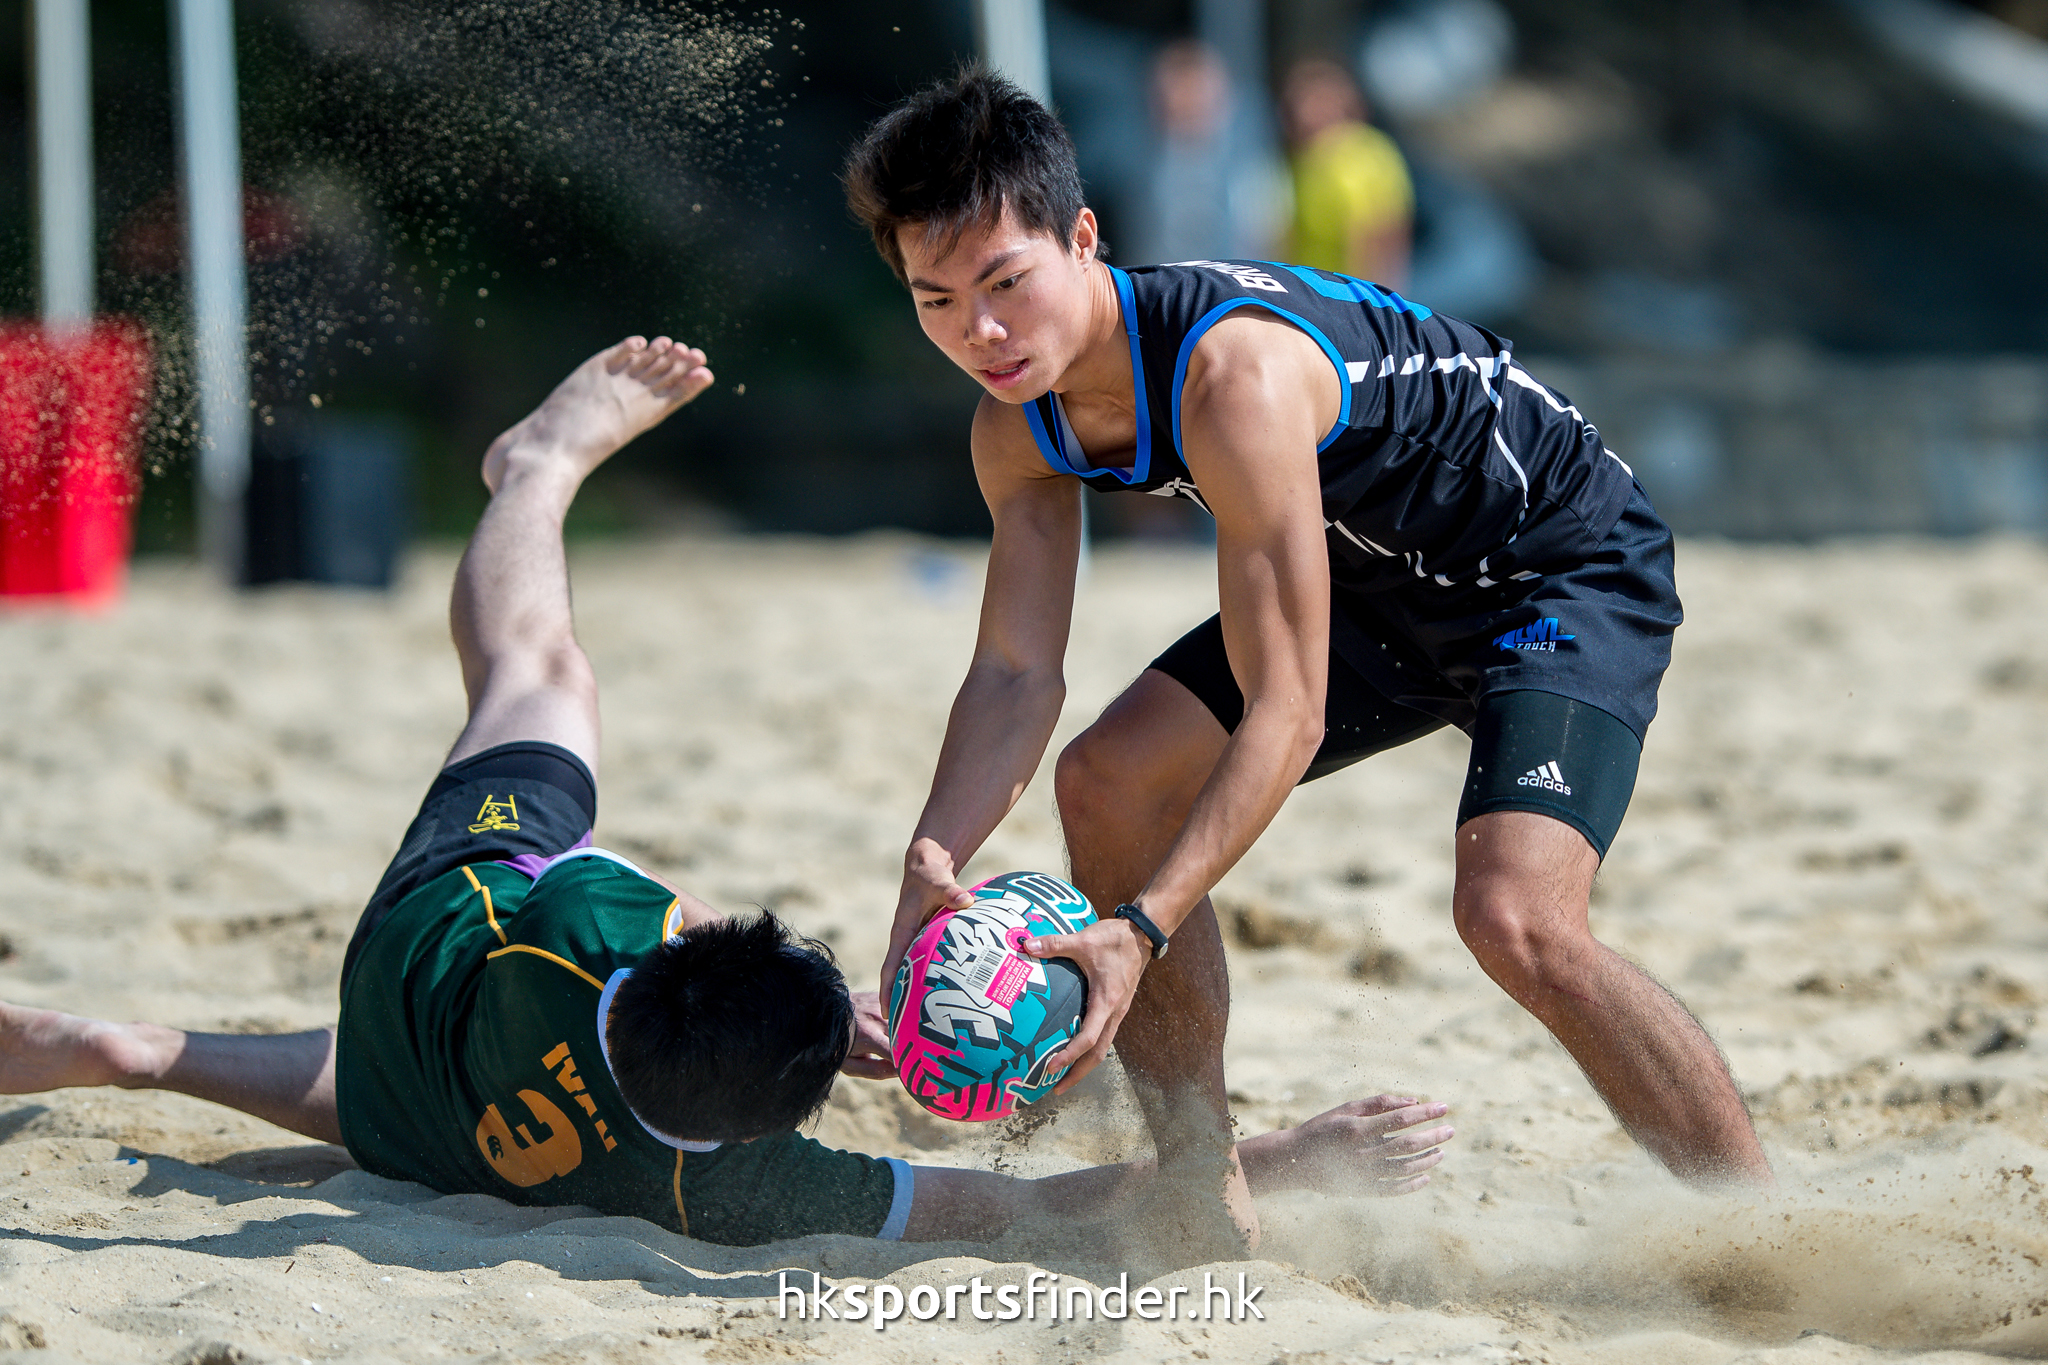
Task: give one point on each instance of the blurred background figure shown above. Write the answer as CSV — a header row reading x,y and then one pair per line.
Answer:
x,y
1354,206
1425,64
1214,188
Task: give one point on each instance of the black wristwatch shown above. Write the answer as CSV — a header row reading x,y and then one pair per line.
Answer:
x,y
1145,926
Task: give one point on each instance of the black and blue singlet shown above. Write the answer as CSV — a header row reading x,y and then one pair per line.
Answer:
x,y
1448,464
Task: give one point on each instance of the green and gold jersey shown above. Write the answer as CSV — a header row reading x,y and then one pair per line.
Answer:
x,y
469,1059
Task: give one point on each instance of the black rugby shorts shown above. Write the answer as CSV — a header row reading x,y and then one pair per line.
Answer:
x,y
526,799
1555,680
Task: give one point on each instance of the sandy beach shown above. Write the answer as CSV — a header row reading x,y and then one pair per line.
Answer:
x,y
1835,856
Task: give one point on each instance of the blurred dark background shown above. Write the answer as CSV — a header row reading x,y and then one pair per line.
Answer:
x,y
1788,254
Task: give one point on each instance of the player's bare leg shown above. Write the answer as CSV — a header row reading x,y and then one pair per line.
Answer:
x,y
1125,786
526,676
605,402
286,1079
1523,885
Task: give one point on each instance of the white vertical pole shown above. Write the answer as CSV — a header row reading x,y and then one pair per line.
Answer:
x,y
1012,34
64,179
203,44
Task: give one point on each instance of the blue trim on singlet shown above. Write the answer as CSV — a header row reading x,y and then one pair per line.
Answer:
x,y
1048,445
1048,441
1141,398
1214,316
1351,289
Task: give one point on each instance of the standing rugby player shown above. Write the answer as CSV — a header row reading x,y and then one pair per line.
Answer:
x,y
1412,532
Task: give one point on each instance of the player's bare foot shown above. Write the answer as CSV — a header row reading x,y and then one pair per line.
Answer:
x,y
604,403
45,1050
1379,1146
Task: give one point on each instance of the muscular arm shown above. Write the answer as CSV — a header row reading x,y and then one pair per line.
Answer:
x,y
1259,395
1004,714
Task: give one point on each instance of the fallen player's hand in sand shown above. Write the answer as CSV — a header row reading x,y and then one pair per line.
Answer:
x,y
1374,1146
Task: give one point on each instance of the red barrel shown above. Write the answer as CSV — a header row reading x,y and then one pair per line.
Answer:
x,y
71,412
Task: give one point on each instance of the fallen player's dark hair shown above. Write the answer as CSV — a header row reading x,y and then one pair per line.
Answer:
x,y
731,1030
954,156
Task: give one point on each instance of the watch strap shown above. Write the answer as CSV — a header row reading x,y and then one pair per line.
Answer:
x,y
1143,923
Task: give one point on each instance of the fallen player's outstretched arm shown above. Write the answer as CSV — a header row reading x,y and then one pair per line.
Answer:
x,y
1376,1146
1379,1146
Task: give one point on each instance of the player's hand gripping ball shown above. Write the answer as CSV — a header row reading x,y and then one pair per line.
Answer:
x,y
973,1019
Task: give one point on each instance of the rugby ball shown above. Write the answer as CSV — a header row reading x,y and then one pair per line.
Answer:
x,y
974,1020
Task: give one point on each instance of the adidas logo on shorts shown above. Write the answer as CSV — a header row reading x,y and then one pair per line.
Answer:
x,y
1546,777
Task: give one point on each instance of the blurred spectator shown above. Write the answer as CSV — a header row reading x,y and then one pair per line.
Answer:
x,y
1353,203
1472,256
1425,57
1214,187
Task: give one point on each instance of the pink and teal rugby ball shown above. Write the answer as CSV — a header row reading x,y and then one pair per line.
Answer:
x,y
974,1021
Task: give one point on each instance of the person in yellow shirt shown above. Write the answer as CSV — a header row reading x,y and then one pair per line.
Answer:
x,y
1353,204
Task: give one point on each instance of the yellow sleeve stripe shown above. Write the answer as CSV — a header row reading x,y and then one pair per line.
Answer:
x,y
542,952
490,911
682,1215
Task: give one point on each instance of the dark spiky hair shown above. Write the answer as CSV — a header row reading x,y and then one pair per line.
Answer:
x,y
957,154
731,1030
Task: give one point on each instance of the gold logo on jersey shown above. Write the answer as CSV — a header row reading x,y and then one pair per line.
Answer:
x,y
496,814
521,1158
